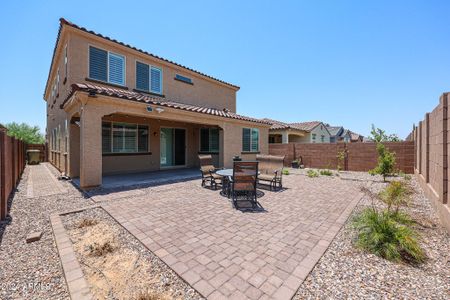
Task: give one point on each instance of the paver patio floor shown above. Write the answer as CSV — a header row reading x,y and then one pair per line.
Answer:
x,y
226,253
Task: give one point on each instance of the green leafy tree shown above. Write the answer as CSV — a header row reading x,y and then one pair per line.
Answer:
x,y
25,132
379,135
386,162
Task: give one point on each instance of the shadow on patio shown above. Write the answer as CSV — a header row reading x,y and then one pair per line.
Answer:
x,y
124,185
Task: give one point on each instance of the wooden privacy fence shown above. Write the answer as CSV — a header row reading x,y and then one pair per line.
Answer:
x,y
355,156
12,163
431,138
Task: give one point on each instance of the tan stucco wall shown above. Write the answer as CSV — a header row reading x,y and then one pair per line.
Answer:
x,y
203,92
93,110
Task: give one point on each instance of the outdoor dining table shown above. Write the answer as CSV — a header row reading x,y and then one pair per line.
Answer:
x,y
226,176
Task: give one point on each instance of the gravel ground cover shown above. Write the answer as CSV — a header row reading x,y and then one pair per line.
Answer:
x,y
33,271
345,272
128,269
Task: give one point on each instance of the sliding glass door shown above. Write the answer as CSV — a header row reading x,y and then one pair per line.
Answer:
x,y
173,147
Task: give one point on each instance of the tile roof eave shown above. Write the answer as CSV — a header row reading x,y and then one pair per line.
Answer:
x,y
150,100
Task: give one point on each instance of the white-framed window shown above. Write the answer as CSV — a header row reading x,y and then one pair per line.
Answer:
x,y
313,136
106,66
209,139
57,81
66,60
250,139
124,137
322,138
149,78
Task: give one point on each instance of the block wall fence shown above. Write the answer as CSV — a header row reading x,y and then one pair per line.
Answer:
x,y
356,156
431,139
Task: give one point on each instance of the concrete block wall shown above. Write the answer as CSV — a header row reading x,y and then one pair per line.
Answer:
x,y
431,138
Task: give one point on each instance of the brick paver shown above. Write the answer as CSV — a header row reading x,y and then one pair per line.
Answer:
x,y
229,254
41,182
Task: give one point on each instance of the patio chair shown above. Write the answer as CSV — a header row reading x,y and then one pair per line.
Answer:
x,y
243,183
271,170
208,171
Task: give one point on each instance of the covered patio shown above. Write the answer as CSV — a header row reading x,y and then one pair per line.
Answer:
x,y
119,132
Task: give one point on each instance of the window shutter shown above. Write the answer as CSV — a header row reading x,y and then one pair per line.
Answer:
x,y
255,139
156,80
142,76
98,60
116,69
204,139
245,139
214,140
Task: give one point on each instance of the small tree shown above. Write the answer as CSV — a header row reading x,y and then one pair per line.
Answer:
x,y
379,135
386,162
341,160
25,132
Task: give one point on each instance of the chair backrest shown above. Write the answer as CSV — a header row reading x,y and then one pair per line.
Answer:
x,y
268,164
245,172
206,163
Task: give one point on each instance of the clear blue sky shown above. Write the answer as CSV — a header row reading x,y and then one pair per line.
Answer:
x,y
349,63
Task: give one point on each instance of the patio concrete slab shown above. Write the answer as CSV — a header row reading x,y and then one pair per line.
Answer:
x,y
226,253
146,178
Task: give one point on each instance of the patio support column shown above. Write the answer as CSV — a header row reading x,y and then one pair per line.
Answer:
x,y
90,146
285,137
232,143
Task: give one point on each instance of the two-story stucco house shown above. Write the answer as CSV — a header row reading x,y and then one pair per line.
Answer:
x,y
113,108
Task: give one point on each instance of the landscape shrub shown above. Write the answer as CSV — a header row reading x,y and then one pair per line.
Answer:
x,y
388,232
312,173
326,172
285,172
382,234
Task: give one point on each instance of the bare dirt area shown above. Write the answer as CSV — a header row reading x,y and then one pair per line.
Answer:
x,y
33,270
116,265
347,272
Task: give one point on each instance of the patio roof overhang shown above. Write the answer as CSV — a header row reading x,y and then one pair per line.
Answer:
x,y
131,102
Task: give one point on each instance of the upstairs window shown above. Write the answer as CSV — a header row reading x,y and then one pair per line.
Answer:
x,y
209,140
322,138
250,139
106,66
148,78
65,61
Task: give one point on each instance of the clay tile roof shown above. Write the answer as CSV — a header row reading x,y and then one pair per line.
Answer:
x,y
63,21
306,126
278,125
154,100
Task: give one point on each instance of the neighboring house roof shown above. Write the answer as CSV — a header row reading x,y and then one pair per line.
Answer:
x,y
278,125
335,130
306,126
355,136
63,21
154,100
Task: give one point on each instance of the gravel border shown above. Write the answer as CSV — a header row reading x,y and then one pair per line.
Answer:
x,y
346,272
34,270
167,280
